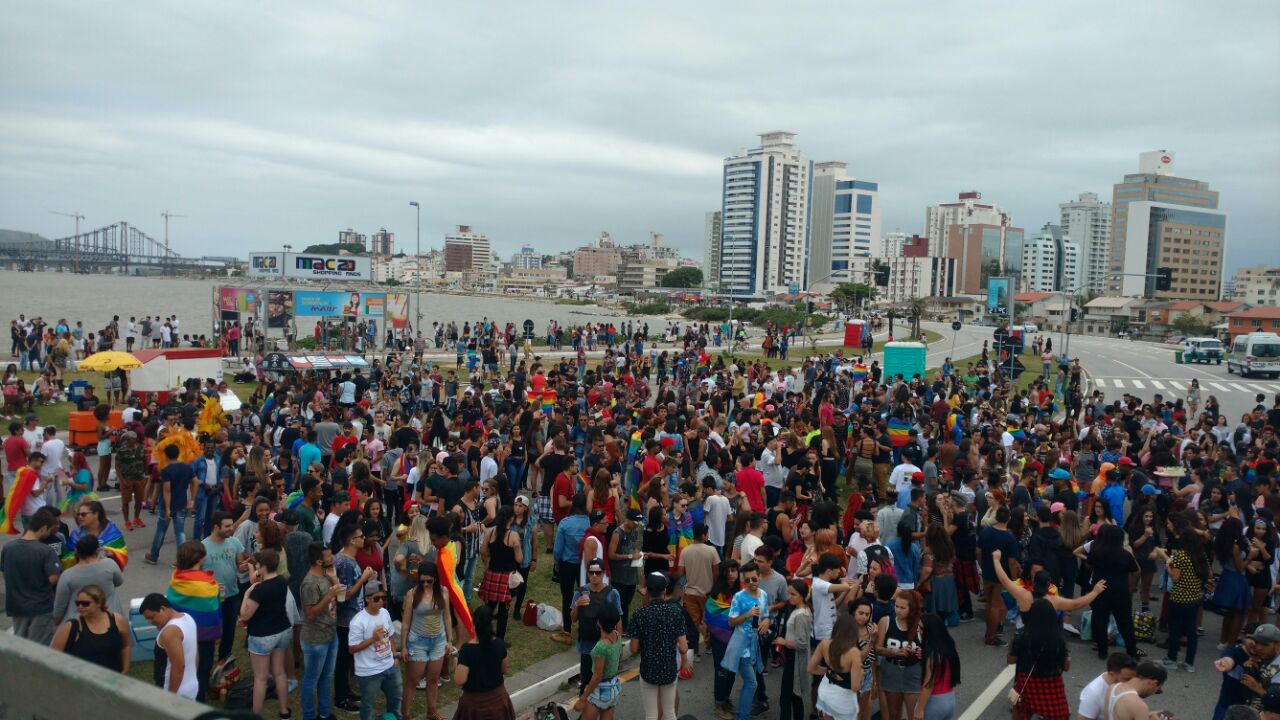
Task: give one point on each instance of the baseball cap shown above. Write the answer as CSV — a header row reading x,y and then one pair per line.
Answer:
x,y
1059,474
373,587
1125,462
522,500
290,517
597,516
1057,507
1150,489
635,515
1267,633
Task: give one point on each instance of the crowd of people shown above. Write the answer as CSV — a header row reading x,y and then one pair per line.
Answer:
x,y
820,519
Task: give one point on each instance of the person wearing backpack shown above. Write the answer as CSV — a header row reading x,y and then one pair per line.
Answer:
x,y
586,605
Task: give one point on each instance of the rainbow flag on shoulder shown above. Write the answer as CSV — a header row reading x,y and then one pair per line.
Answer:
x,y
195,593
898,430
860,373
22,485
716,615
1017,432
111,541
446,566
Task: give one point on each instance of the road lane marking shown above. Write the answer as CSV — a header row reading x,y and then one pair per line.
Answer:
x,y
1138,384
1261,388
1218,386
1100,382
1157,384
1239,387
1137,370
989,694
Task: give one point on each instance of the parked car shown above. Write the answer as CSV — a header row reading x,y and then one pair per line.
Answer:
x,y
1255,353
1202,350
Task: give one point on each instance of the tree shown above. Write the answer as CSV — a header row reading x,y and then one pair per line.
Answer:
x,y
1190,325
334,248
916,310
849,294
685,277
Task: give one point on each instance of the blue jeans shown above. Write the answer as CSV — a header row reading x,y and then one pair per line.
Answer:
x,y
392,687
206,504
162,528
1182,621
467,572
317,678
515,475
746,671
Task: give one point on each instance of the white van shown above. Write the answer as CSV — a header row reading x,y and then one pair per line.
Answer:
x,y
1255,353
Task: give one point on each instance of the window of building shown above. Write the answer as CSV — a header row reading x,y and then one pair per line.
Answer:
x,y
844,203
864,203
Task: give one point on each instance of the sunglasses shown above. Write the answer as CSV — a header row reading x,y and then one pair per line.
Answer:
x,y
82,514
751,580
595,572
84,603
376,598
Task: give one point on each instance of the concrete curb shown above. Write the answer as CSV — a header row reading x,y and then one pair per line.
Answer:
x,y
542,680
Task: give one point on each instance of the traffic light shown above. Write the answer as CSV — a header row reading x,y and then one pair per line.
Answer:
x,y
1075,314
882,276
810,307
1164,278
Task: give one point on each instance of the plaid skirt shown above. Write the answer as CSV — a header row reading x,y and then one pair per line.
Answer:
x,y
966,573
1043,696
542,508
495,587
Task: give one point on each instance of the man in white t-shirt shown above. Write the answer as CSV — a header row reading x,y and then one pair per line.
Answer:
x,y
753,539
338,504
371,644
857,543
900,478
825,592
715,508
1120,668
55,454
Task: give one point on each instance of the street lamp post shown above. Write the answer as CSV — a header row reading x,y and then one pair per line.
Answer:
x,y
417,267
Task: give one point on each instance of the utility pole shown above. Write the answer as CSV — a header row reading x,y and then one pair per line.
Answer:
x,y
78,217
417,269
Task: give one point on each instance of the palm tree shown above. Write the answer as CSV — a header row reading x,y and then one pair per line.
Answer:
x,y
916,310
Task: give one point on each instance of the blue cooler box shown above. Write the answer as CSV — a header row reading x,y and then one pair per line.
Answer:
x,y
144,633
904,358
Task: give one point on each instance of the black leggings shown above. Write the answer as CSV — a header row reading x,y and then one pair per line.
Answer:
x,y
502,612
342,668
1120,606
790,705
567,573
517,596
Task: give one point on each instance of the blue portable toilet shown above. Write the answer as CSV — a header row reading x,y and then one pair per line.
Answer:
x,y
904,358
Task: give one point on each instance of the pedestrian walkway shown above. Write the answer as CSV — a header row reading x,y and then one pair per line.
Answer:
x,y
1172,388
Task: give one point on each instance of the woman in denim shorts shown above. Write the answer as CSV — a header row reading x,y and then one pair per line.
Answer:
x,y
428,637
601,695
265,614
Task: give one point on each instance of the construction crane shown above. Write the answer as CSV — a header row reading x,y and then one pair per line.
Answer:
x,y
166,215
78,218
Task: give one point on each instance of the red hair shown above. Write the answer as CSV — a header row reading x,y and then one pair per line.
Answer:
x,y
79,462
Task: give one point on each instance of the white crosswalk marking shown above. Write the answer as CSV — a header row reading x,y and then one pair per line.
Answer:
x,y
1239,387
1157,384
1100,382
1218,386
1138,384
1260,388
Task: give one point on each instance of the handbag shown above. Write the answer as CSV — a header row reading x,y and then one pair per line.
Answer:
x,y
1015,696
515,579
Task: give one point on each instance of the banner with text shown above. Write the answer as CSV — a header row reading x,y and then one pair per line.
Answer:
x,y
348,304
241,300
998,299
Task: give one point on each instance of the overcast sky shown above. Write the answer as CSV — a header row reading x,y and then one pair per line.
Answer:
x,y
546,122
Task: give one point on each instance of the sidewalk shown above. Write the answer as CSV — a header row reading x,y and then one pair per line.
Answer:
x,y
545,679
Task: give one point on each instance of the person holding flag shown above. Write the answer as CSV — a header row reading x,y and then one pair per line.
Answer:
x,y
26,495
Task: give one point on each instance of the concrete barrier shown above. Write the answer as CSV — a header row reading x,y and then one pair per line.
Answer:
x,y
36,682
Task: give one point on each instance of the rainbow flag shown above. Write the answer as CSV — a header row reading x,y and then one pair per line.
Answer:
x,y
679,534
716,615
195,593
635,446
18,492
446,567
1017,433
111,540
293,500
860,373
898,432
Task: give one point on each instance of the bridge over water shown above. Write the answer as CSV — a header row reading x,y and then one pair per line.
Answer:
x,y
119,247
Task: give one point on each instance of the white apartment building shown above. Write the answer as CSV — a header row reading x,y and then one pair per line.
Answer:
x,y
844,223
969,209
765,227
1087,221
1051,262
1259,285
891,244
465,250
912,277
527,259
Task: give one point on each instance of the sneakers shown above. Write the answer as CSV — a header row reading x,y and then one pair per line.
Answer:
x,y
966,617
1171,664
724,711
138,523
422,684
1072,629
148,560
995,642
1186,668
128,525
697,657
348,705
759,709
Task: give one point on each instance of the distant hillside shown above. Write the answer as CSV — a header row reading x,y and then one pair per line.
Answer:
x,y
18,237
334,248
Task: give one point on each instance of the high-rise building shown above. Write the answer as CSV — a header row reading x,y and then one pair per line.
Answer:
x,y
891,244
1087,221
982,252
711,250
351,237
844,223
467,250
527,259
1257,285
912,277
967,210
600,259
1051,262
1159,220
382,244
765,224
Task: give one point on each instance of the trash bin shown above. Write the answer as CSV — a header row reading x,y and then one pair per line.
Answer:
x,y
1177,357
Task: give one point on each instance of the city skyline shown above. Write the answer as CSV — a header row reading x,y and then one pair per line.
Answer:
x,y
268,126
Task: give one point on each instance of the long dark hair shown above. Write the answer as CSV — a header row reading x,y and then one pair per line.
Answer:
x,y
482,618
723,587
1043,630
938,647
1230,535
1108,547
426,570
1190,543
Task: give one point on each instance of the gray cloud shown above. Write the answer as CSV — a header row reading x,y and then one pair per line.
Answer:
x,y
546,123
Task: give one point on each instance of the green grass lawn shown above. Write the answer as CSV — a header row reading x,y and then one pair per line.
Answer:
x,y
798,350
1028,378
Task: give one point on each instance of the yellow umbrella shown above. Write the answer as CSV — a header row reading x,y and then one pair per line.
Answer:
x,y
108,361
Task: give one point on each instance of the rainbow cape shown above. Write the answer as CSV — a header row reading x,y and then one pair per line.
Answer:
x,y
716,615
195,593
17,495
679,534
898,432
111,540
860,373
293,500
1017,433
446,567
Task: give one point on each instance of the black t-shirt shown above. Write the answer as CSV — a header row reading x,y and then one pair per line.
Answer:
x,y
552,465
484,665
270,617
448,489
403,437
1115,571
